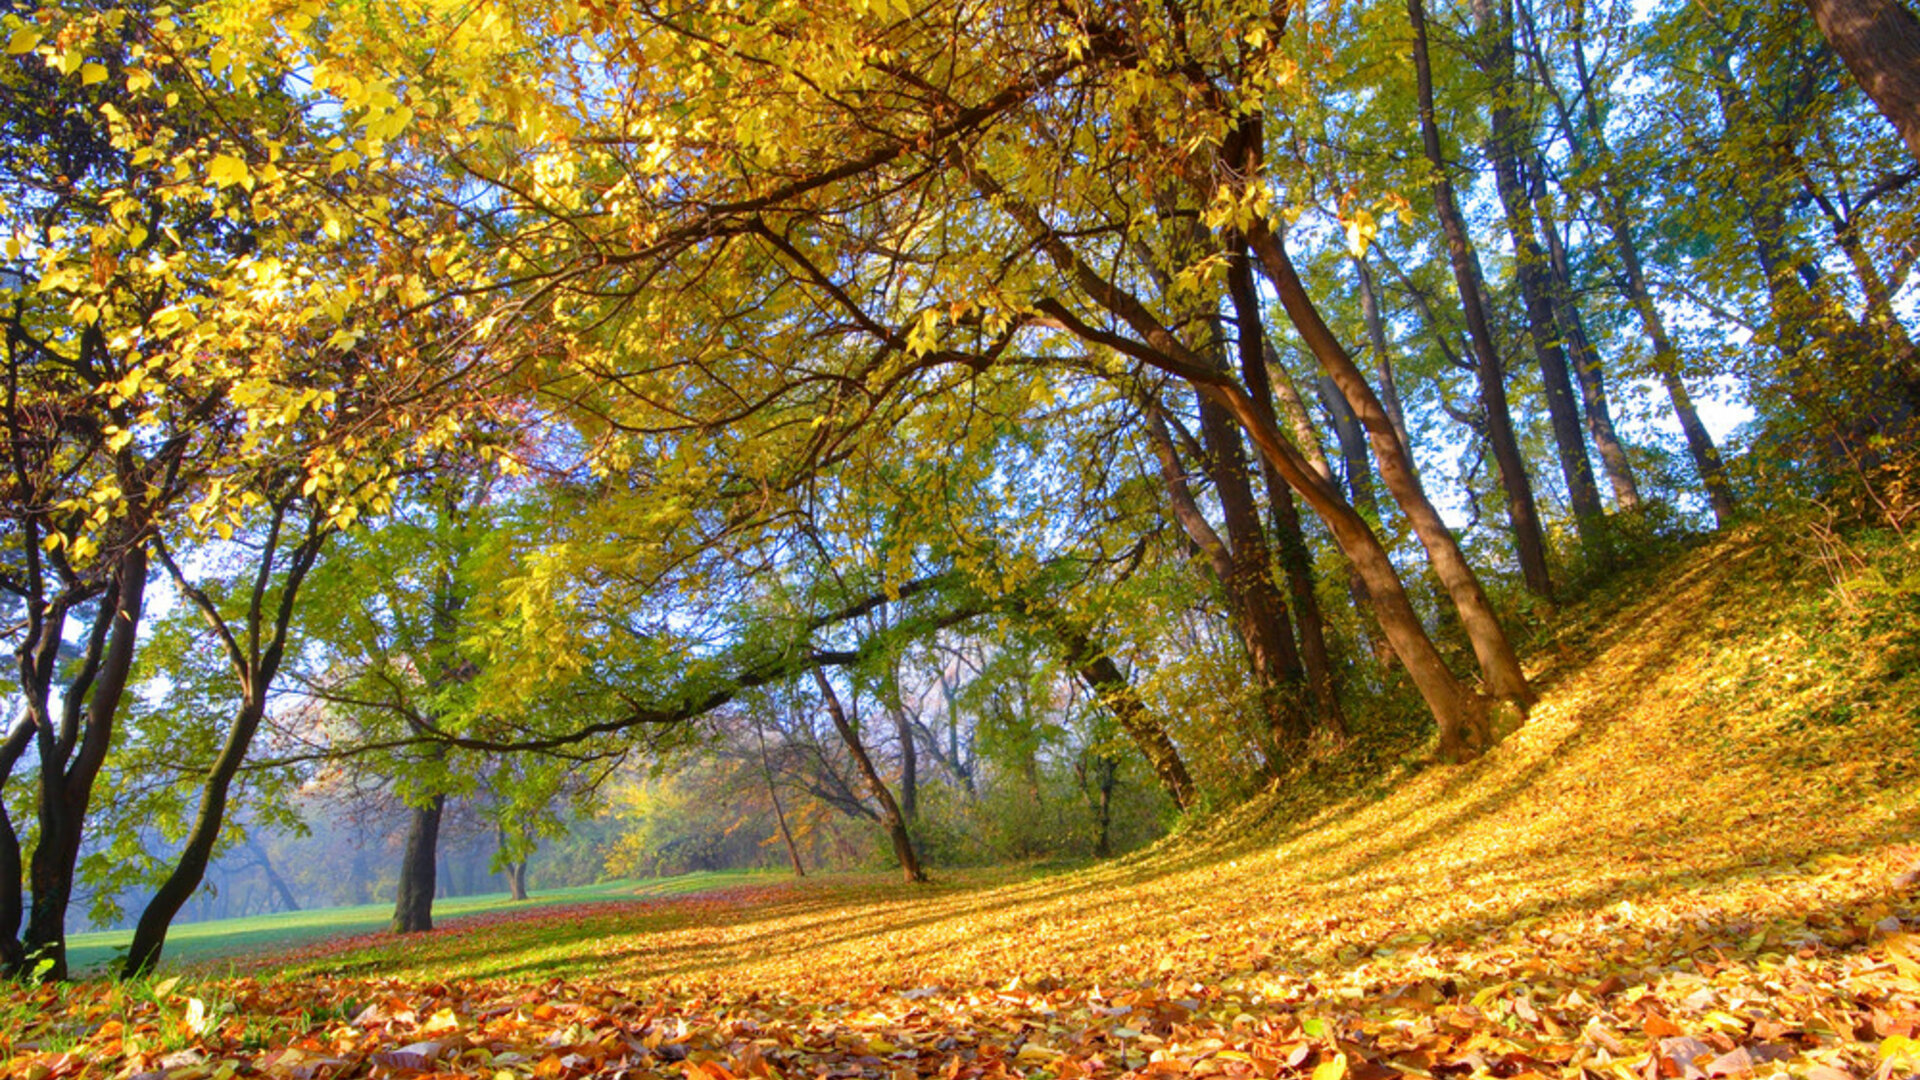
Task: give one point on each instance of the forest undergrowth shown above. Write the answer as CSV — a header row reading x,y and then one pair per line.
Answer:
x,y
1695,860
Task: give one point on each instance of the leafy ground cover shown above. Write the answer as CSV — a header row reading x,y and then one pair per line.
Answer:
x,y
1693,862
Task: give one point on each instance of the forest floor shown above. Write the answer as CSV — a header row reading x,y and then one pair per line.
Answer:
x,y
1691,862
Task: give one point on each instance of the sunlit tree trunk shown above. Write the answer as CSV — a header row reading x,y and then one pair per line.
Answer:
x,y
254,653
1499,664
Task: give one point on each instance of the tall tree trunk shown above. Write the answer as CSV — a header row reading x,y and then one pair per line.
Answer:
x,y
1666,359
1460,715
1529,541
1383,357
1103,676
890,816
909,753
1241,569
1254,352
1509,145
1879,41
1353,443
1260,613
1586,365
413,897
1499,664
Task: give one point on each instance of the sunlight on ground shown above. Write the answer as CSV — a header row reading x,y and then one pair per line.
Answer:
x,y
1684,865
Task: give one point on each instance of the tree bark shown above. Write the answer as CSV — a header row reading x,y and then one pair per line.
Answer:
x,y
256,666
413,897
1383,358
12,898
1666,359
1260,613
890,816
1353,444
909,753
1103,676
1509,145
274,881
71,757
1254,349
1586,365
1499,664
1460,715
1524,517
1879,41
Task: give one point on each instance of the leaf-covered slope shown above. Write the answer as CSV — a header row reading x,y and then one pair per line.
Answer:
x,y
1688,863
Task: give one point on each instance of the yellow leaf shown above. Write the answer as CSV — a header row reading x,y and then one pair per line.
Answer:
x,y
22,41
1334,1068
225,170
92,73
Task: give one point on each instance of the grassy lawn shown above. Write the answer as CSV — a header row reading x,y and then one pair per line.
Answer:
x,y
203,943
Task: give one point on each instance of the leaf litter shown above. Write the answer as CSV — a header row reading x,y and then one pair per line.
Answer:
x,y
1668,873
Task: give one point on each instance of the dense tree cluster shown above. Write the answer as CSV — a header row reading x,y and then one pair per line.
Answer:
x,y
947,416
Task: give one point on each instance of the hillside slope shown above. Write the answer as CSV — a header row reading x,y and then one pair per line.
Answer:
x,y
1688,863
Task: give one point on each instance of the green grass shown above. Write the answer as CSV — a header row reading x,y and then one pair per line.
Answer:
x,y
200,943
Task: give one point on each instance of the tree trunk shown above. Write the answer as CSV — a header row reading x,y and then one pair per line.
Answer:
x,y
1586,365
517,880
1879,41
1097,669
1383,358
909,755
1297,561
274,881
1666,359
890,816
150,935
12,898
1460,714
1508,145
1529,542
1254,352
413,898
255,667
1499,664
1353,444
71,758
1260,613
779,812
